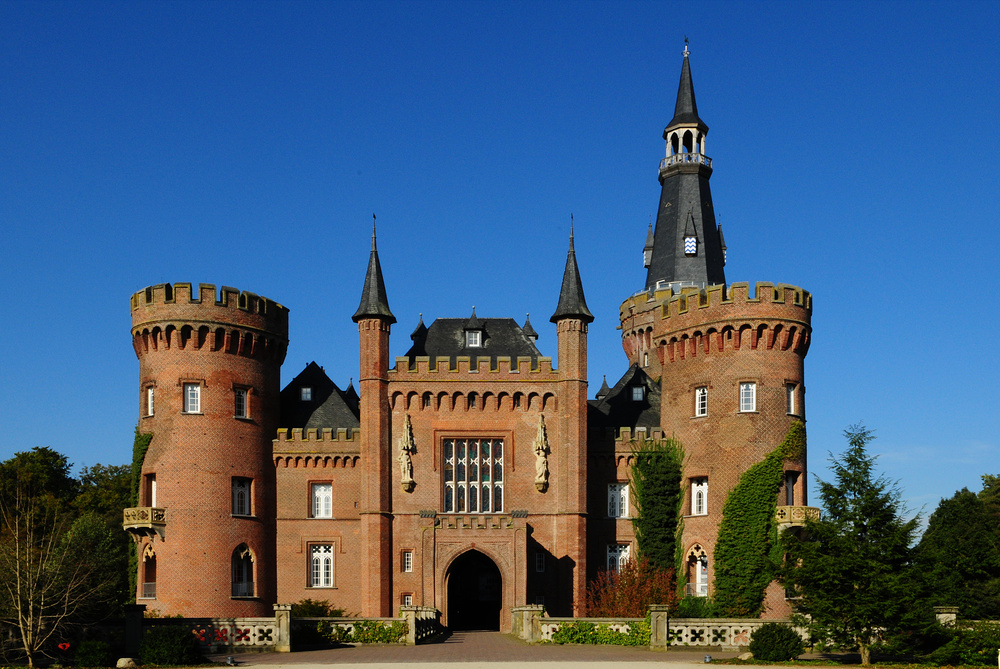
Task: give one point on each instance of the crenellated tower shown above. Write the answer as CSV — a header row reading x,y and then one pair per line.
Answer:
x,y
730,361
209,373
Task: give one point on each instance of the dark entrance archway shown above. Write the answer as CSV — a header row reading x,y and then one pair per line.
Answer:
x,y
475,593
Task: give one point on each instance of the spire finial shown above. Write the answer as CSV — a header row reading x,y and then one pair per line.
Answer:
x,y
373,231
686,52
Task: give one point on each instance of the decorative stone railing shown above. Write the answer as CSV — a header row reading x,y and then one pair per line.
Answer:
x,y
531,625
795,516
224,632
144,521
422,622
680,158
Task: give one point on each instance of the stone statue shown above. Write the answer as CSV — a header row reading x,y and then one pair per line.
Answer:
x,y
541,457
406,448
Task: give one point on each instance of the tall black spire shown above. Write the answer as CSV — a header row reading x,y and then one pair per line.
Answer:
x,y
687,247
374,303
572,303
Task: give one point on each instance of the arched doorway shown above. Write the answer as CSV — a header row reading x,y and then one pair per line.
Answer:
x,y
475,593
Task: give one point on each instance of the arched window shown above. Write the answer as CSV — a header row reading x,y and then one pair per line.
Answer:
x,y
242,572
321,566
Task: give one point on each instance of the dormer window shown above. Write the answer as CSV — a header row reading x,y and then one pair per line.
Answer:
x,y
474,338
306,393
638,393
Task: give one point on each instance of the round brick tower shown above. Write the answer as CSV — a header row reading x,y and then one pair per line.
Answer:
x,y
209,375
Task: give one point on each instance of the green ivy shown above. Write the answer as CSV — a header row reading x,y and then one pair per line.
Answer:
x,y
656,489
139,447
365,631
584,632
747,552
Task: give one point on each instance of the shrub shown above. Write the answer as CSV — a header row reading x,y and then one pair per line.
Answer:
x,y
697,607
772,642
170,645
973,646
373,631
628,592
584,632
94,654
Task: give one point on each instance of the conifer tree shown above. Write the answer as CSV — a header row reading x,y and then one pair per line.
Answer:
x,y
851,566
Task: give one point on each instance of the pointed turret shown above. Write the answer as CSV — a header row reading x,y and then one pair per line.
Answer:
x,y
374,303
529,331
686,246
572,303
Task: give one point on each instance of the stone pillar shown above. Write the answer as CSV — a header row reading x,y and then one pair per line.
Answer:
x,y
283,622
525,624
409,616
946,615
659,625
133,628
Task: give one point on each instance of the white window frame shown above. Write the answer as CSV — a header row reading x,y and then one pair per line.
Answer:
x,y
618,555
748,396
321,566
462,473
473,338
242,500
618,500
699,496
306,393
701,401
638,393
322,500
241,403
407,600
192,398
407,561
150,392
790,398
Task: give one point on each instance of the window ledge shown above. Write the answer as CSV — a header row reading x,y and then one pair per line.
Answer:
x,y
245,419
321,587
696,515
248,516
244,597
192,413
699,417
754,411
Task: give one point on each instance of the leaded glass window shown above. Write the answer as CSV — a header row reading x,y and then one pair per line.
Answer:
x,y
473,475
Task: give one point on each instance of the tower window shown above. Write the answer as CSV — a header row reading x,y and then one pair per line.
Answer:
x,y
149,400
321,566
242,572
748,396
407,561
701,401
539,562
192,398
407,600
240,401
699,497
322,500
618,500
790,398
241,496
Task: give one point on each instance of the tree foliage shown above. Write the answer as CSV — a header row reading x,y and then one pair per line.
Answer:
x,y
57,566
656,489
628,592
851,566
748,552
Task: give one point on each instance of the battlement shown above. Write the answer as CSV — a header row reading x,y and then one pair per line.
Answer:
x,y
464,364
298,435
180,301
735,298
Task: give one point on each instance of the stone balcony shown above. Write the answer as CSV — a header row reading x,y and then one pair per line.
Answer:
x,y
144,521
795,516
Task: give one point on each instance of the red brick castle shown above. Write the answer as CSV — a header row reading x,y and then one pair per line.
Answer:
x,y
471,474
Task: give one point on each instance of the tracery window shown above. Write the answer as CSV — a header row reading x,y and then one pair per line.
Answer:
x,y
473,475
321,566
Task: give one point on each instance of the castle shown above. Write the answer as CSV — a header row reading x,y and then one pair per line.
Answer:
x,y
471,475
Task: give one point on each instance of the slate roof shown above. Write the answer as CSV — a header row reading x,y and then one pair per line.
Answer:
x,y
374,302
617,409
445,338
686,109
330,407
572,303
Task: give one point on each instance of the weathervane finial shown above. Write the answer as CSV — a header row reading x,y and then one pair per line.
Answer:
x,y
686,52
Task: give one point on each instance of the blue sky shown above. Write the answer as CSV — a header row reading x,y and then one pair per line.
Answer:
x,y
248,144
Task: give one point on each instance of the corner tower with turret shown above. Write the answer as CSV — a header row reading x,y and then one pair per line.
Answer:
x,y
209,369
729,359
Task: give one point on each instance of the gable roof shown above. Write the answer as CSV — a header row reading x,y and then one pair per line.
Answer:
x,y
330,407
617,409
445,338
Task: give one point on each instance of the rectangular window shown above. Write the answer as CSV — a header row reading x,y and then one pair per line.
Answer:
x,y
240,397
701,401
638,393
306,393
150,491
790,398
322,500
407,560
472,339
790,478
748,396
617,556
241,496
407,600
192,398
699,497
618,500
539,561
149,400
473,475
321,566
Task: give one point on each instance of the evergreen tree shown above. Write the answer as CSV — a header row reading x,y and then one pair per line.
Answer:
x,y
851,566
656,489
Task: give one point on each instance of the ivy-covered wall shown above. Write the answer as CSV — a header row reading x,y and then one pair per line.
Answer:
x,y
747,551
139,447
656,490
